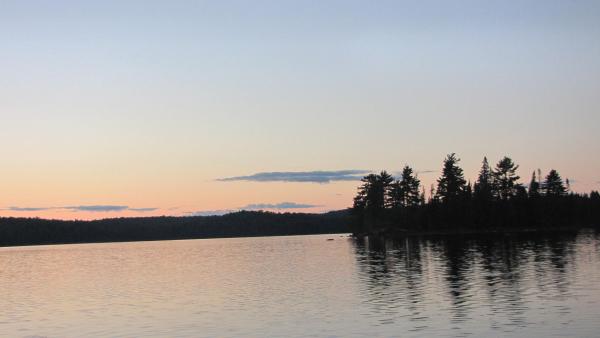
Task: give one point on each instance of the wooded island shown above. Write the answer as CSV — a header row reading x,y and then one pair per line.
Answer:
x,y
495,202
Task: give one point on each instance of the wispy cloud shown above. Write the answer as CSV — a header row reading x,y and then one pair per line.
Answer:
x,y
143,209
98,208
89,208
301,176
28,208
282,205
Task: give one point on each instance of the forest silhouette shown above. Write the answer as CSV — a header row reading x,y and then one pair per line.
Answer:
x,y
30,231
495,202
383,206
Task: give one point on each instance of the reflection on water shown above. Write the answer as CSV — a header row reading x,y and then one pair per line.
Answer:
x,y
509,284
305,286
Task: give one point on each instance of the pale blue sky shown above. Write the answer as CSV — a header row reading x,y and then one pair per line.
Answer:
x,y
145,104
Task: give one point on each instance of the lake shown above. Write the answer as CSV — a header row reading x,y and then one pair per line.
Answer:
x,y
305,286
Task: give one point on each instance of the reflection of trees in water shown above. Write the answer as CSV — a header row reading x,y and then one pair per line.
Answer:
x,y
501,275
457,258
554,261
501,262
408,253
392,271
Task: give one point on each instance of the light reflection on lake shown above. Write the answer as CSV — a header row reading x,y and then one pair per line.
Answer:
x,y
305,286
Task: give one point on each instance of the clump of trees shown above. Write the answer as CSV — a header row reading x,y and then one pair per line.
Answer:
x,y
496,200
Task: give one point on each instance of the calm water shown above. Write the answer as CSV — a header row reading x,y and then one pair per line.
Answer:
x,y
304,286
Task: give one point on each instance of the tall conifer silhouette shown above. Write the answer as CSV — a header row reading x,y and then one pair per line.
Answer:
x,y
505,178
452,182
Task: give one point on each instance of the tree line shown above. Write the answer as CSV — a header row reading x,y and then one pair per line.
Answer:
x,y
29,231
496,200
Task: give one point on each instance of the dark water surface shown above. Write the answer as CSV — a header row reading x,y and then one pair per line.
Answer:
x,y
305,286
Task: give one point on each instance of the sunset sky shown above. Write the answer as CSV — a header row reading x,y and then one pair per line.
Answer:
x,y
141,108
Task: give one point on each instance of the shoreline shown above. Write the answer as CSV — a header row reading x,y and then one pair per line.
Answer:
x,y
346,234
397,234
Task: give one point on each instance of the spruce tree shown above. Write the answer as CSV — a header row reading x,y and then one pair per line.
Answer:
x,y
483,185
468,192
534,186
405,191
452,182
384,186
409,187
395,195
553,185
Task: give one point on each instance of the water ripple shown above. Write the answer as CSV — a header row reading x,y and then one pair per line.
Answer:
x,y
304,286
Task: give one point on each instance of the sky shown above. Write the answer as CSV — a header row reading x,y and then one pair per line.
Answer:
x,y
143,108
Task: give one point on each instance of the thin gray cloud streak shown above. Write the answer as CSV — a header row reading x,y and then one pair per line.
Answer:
x,y
282,205
98,208
89,208
143,209
320,176
28,208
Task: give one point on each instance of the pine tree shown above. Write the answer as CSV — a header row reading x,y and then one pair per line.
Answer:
x,y
373,193
505,178
370,201
452,182
364,191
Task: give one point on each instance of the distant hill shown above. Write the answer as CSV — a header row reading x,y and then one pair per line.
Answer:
x,y
33,231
